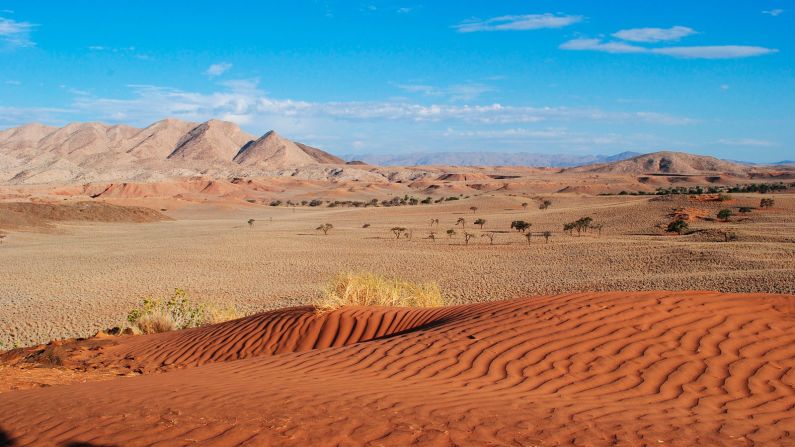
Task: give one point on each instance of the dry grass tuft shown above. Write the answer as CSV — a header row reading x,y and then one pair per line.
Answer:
x,y
156,315
369,289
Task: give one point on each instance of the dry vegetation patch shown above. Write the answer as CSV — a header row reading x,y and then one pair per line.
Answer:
x,y
369,289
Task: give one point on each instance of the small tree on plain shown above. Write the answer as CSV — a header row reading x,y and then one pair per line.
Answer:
x,y
766,203
745,210
490,235
679,226
467,237
325,228
432,236
435,222
569,228
480,222
450,233
524,205
528,236
520,225
545,204
547,235
724,214
461,221
598,228
473,209
251,223
398,231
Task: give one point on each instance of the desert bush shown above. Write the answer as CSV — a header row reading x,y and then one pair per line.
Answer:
x,y
369,289
520,225
745,210
678,226
155,315
367,225
724,214
724,197
276,203
766,203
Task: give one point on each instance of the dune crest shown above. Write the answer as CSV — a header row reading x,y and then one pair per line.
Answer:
x,y
671,368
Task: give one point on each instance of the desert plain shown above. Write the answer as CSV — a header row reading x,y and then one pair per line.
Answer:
x,y
619,332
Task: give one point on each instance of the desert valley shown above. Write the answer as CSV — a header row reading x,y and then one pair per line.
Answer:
x,y
564,288
392,223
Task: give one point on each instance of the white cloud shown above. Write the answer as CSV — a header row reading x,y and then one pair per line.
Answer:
x,y
13,82
456,92
244,103
685,52
598,45
725,87
404,10
15,34
747,142
654,34
774,12
714,51
518,23
218,69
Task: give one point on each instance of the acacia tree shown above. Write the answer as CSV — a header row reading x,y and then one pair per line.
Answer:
x,y
568,228
473,209
598,228
679,226
480,222
520,225
450,233
724,214
461,222
398,231
766,203
467,237
325,228
545,204
489,235
547,235
527,236
435,222
745,210
524,205
432,236
251,223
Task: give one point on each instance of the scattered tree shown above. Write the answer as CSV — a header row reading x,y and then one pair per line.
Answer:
x,y
568,228
524,205
489,235
528,236
547,235
398,231
545,204
325,228
461,222
679,226
450,233
766,203
367,225
2,236
729,236
251,223
435,222
432,236
467,237
480,222
724,214
745,210
473,209
598,228
520,225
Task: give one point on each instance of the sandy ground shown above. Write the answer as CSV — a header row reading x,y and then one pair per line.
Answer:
x,y
597,369
81,278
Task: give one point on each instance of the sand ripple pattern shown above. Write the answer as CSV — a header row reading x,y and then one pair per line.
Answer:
x,y
646,368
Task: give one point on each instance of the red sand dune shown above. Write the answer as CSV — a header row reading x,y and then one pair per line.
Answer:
x,y
646,368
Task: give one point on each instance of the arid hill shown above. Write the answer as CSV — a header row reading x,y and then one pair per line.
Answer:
x,y
26,215
662,163
95,152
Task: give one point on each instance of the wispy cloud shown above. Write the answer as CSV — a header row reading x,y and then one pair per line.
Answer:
x,y
244,103
14,34
456,92
774,12
518,22
654,34
685,52
218,69
753,142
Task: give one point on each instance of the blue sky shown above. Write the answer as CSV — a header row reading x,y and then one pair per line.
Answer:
x,y
709,77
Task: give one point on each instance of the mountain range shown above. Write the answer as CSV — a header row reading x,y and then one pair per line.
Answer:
x,y
487,159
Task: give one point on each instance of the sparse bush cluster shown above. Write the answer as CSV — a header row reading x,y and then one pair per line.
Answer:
x,y
155,315
762,188
581,225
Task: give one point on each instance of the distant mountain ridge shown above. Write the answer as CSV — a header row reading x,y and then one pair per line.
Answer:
x,y
488,159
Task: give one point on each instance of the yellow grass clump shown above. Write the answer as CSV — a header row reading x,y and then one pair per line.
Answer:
x,y
156,315
369,289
